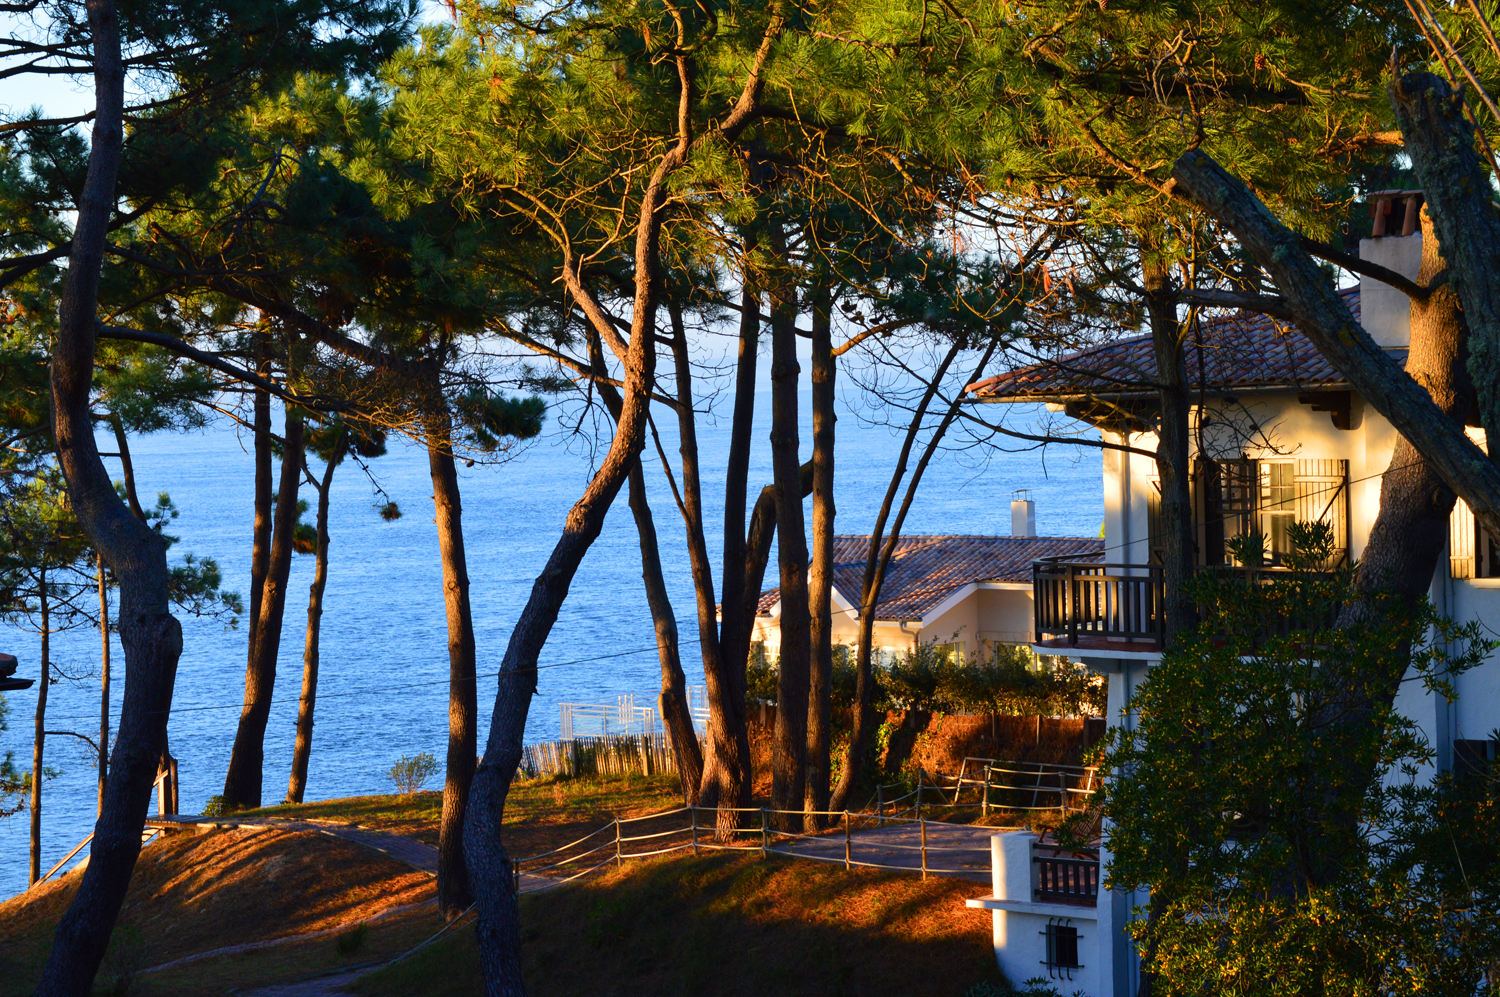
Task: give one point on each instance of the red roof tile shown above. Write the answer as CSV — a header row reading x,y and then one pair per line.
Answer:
x,y
926,570
1239,351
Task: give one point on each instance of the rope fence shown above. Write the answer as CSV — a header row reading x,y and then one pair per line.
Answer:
x,y
993,786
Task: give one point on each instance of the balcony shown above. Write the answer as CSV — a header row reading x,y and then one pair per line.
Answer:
x,y
1097,605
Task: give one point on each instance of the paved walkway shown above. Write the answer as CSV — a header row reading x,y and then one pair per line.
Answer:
x,y
952,849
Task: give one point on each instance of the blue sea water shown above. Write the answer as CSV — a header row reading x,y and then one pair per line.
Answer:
x,y
384,647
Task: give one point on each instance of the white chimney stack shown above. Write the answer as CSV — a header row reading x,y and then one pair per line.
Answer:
x,y
1022,514
1396,245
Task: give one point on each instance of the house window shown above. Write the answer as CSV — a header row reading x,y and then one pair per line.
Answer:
x,y
1235,497
1472,552
1278,495
948,654
1473,760
1062,948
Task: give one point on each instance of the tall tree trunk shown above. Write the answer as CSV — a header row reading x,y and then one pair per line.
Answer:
x,y
151,638
676,718
260,541
1172,468
877,559
820,571
307,703
39,743
243,782
789,740
454,895
726,762
672,701
103,762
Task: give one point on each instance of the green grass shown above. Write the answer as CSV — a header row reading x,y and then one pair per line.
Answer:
x,y
731,925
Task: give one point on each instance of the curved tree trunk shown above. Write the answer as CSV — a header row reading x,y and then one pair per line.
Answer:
x,y
789,740
151,638
307,703
676,718
820,570
243,781
454,895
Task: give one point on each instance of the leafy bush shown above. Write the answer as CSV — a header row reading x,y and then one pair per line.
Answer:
x,y
410,774
351,941
214,807
1008,679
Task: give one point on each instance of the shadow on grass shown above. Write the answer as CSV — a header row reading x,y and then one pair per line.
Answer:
x,y
728,925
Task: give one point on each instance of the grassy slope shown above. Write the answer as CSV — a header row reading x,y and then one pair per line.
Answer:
x,y
195,893
539,815
728,925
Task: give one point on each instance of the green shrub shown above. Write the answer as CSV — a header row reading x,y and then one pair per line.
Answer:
x,y
351,941
411,774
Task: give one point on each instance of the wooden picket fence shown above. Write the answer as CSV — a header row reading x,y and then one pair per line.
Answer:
x,y
616,754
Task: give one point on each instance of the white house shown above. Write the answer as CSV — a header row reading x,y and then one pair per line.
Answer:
x,y
1288,440
963,593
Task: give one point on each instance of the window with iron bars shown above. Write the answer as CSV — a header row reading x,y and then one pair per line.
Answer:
x,y
1062,948
1472,552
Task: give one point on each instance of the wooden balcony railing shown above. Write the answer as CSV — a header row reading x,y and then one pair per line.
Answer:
x,y
1073,599
1068,881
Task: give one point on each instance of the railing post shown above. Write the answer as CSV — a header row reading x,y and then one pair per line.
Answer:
x,y
694,809
985,808
847,853
923,824
919,792
515,869
879,805
764,833
1071,609
619,859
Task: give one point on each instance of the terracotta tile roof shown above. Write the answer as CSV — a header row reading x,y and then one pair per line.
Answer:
x,y
1240,351
926,570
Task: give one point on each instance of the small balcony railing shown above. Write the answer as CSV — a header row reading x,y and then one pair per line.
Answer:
x,y
1075,599
1066,880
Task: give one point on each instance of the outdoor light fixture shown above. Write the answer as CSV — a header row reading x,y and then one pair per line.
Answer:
x,y
7,669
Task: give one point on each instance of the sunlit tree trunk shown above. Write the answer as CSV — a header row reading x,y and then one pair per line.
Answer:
x,y
820,570
39,744
103,762
308,701
243,782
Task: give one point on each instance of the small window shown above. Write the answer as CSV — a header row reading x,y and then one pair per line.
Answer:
x,y
1062,949
948,654
1472,760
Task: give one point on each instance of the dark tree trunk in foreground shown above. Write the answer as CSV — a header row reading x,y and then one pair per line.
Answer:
x,y
1326,320
151,638
726,760
454,895
244,780
676,718
877,559
820,569
789,740
307,703
1172,467
39,742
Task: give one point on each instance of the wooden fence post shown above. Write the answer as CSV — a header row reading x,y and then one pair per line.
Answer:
x,y
919,792
694,809
923,824
619,858
764,833
985,808
847,855
879,805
